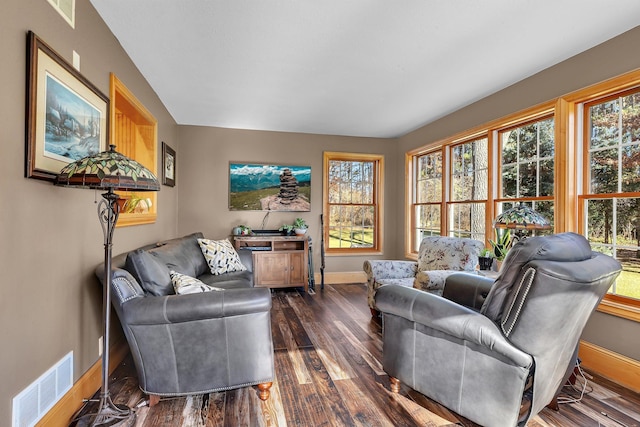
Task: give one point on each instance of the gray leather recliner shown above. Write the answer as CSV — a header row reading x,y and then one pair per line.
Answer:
x,y
504,364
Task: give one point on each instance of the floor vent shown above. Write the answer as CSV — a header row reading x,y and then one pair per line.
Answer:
x,y
34,401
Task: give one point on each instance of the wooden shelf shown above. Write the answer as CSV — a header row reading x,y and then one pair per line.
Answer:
x,y
278,261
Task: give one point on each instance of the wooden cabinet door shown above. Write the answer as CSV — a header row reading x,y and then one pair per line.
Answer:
x,y
297,269
271,269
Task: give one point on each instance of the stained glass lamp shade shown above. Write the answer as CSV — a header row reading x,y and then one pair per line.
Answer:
x,y
110,171
521,218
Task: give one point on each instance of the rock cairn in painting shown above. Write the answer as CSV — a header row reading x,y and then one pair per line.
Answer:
x,y
288,187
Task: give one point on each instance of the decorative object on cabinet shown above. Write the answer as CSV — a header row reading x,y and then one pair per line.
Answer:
x,y
278,261
257,186
110,171
168,165
67,116
300,227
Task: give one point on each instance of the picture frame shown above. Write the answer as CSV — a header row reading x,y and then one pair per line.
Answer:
x,y
269,187
168,165
67,116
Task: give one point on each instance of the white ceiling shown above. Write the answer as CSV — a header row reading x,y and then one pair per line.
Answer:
x,y
377,68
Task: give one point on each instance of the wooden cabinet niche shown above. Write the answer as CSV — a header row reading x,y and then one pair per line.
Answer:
x,y
134,133
278,261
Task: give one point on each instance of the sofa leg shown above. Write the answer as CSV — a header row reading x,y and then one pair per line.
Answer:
x,y
395,384
153,400
264,390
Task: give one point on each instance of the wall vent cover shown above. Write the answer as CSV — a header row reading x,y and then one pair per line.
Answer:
x,y
34,401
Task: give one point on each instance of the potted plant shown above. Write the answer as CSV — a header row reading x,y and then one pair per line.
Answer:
x,y
299,227
485,259
501,245
286,229
241,230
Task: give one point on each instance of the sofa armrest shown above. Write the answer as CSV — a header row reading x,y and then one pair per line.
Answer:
x,y
449,318
467,289
156,310
389,269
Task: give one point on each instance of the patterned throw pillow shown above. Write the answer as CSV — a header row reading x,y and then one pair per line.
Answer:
x,y
184,284
221,256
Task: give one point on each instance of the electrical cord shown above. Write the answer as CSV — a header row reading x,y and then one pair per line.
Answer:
x,y
582,391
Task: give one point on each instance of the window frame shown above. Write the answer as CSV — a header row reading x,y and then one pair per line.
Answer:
x,y
450,203
378,201
413,170
614,304
500,197
569,170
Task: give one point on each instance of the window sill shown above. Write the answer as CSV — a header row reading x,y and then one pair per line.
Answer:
x,y
619,309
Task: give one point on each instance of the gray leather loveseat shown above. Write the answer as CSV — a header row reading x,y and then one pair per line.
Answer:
x,y
195,343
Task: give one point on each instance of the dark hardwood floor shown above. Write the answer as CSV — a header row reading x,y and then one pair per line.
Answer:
x,y
327,359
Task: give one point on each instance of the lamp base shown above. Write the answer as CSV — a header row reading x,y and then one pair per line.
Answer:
x,y
108,414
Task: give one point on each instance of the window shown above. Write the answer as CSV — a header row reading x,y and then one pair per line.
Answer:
x,y
575,160
427,203
134,132
353,199
611,199
527,167
469,189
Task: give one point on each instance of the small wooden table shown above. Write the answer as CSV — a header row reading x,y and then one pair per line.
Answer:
x,y
278,261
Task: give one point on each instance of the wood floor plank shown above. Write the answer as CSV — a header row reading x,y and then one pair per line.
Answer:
x,y
362,409
214,409
295,410
321,338
332,357
374,362
272,410
301,371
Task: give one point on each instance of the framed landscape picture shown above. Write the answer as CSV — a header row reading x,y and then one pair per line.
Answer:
x,y
67,116
168,165
258,186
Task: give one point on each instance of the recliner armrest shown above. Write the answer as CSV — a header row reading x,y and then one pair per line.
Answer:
x,y
466,289
450,318
153,310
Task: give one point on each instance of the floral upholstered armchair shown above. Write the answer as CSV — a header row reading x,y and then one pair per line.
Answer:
x,y
438,257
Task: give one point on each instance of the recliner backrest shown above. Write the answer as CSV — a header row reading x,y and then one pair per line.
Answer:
x,y
448,253
542,301
564,247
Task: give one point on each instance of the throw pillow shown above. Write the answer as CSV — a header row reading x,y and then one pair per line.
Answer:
x,y
221,256
184,284
150,272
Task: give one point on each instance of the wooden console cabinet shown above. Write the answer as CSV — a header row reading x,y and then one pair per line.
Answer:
x,y
278,261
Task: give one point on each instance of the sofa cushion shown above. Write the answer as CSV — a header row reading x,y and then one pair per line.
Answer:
x,y
448,253
184,284
221,256
150,272
182,255
236,279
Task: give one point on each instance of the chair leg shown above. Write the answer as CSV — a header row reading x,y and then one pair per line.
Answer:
x,y
264,390
153,400
395,384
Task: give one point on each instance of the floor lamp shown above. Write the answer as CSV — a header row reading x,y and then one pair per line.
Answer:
x,y
110,171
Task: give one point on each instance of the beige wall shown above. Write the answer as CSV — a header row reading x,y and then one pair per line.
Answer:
x,y
612,58
203,176
50,237
51,241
